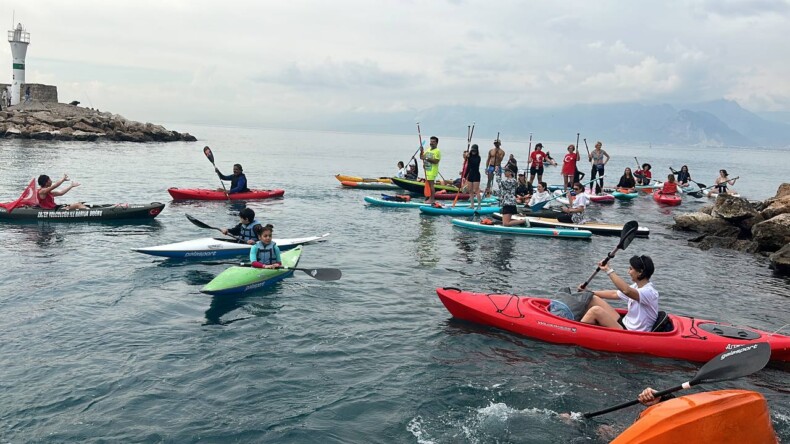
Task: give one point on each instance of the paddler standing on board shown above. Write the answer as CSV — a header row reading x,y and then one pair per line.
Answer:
x,y
431,160
494,164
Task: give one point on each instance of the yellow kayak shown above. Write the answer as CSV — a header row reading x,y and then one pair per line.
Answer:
x,y
344,178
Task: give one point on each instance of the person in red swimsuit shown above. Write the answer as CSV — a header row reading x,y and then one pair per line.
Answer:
x,y
569,166
47,193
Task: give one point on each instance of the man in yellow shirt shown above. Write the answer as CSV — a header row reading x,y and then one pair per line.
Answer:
x,y
431,163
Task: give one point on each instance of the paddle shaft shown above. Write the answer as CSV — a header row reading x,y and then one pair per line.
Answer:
x,y
606,260
210,156
587,148
657,395
205,225
626,236
426,191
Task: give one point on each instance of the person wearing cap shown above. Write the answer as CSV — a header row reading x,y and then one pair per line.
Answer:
x,y
494,164
472,175
596,158
536,163
430,161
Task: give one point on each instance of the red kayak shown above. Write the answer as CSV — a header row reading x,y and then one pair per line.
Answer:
x,y
202,194
600,198
683,338
666,199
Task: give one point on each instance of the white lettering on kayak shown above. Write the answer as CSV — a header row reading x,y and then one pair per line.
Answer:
x,y
561,327
68,214
738,351
200,253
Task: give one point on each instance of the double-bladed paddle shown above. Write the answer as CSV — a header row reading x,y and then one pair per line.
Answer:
x,y
210,156
730,364
626,236
205,225
539,206
696,193
322,274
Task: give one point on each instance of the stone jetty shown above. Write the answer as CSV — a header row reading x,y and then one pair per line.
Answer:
x,y
753,227
60,121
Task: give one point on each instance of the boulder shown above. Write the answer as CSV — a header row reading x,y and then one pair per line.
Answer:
x,y
772,234
733,209
780,260
776,206
706,224
82,126
85,136
707,209
730,243
783,191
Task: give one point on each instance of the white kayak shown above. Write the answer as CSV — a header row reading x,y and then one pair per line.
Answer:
x,y
219,248
714,193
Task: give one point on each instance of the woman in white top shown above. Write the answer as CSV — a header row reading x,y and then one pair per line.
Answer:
x,y
541,195
641,296
579,201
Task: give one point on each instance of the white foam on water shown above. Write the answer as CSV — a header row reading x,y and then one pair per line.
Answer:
x,y
417,429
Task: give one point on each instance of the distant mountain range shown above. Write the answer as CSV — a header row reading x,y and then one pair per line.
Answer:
x,y
714,123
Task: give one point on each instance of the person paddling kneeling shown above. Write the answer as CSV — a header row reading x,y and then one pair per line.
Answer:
x,y
641,296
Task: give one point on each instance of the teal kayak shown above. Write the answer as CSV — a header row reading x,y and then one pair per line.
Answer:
x,y
620,195
523,231
237,280
458,210
397,204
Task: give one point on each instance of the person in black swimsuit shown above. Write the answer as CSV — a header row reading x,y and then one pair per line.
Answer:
x,y
472,174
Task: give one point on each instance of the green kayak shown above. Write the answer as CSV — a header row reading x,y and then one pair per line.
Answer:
x,y
236,280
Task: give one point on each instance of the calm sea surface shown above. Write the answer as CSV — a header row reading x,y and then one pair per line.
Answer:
x,y
101,344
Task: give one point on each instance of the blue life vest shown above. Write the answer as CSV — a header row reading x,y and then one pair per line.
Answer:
x,y
247,231
266,254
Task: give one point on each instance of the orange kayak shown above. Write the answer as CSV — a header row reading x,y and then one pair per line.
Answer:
x,y
725,416
344,178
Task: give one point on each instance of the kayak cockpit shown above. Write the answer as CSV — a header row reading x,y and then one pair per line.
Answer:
x,y
662,326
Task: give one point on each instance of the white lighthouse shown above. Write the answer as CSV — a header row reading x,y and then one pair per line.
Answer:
x,y
19,40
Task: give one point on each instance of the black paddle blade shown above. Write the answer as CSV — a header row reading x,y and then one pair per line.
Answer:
x,y
735,363
628,234
322,274
209,154
198,223
730,364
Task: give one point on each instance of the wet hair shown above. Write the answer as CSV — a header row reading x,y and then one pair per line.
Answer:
x,y
238,165
247,213
643,265
720,171
435,138
260,229
646,166
42,180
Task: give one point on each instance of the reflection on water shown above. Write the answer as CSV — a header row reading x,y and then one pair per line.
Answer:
x,y
222,305
425,246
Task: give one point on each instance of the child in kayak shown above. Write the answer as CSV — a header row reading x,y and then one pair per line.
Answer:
x,y
507,199
265,253
47,193
670,186
238,181
245,230
641,296
627,182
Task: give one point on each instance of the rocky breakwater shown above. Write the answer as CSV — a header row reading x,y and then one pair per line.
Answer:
x,y
59,121
736,223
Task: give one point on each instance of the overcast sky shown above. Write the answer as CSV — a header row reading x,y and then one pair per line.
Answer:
x,y
274,62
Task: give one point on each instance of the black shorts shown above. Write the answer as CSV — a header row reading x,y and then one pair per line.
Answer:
x,y
533,170
508,209
620,321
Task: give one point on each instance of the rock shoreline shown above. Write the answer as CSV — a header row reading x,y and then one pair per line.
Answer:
x,y
60,121
752,227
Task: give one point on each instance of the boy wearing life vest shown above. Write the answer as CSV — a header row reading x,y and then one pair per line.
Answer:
x,y
245,228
